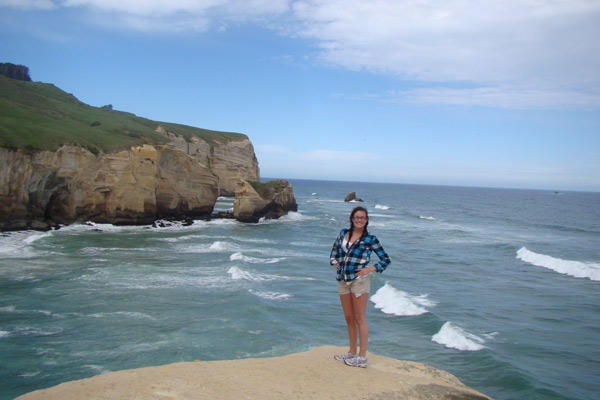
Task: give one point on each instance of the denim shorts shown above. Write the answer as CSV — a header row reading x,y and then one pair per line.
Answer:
x,y
358,286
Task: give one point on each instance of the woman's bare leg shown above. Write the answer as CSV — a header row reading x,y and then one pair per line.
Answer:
x,y
359,306
348,307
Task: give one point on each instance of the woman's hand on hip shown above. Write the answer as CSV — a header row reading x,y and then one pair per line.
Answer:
x,y
365,271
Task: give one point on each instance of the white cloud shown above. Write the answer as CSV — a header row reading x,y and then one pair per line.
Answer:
x,y
195,8
504,97
537,49
164,16
508,53
28,4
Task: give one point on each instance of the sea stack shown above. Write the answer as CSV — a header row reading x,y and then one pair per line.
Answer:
x,y
255,200
351,196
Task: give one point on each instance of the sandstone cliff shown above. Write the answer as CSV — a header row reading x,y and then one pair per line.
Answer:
x,y
180,179
229,161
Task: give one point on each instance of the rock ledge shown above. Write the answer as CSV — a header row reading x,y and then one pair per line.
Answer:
x,y
312,374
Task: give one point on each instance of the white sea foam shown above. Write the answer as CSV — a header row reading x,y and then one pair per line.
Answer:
x,y
4,334
18,244
30,374
36,331
219,221
219,246
215,247
382,207
253,260
270,295
96,368
427,218
13,309
37,236
239,274
291,216
577,269
89,226
224,198
314,194
130,314
252,240
390,300
455,337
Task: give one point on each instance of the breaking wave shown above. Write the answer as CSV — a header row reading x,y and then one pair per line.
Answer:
x,y
270,295
240,274
390,300
253,260
382,207
457,338
576,269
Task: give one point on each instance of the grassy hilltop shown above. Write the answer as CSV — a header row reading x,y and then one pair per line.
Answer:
x,y
40,116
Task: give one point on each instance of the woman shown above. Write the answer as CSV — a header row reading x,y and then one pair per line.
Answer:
x,y
350,255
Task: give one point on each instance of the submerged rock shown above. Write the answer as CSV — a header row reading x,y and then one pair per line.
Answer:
x,y
255,200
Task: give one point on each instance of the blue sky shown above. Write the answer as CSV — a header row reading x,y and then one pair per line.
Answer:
x,y
489,93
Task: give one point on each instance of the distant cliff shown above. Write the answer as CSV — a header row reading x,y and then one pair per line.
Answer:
x,y
63,161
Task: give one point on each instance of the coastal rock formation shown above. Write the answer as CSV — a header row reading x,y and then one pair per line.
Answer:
x,y
312,374
19,72
254,200
134,186
229,161
351,196
180,179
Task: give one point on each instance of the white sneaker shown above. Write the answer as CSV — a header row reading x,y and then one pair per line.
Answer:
x,y
344,357
356,361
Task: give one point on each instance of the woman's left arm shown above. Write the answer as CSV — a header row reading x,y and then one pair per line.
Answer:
x,y
384,259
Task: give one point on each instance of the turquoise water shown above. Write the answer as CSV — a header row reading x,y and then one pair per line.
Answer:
x,y
499,287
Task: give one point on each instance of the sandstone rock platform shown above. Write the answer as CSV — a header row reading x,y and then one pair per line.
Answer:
x,y
313,374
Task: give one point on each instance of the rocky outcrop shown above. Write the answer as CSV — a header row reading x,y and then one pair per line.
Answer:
x,y
312,374
255,200
351,196
19,72
134,186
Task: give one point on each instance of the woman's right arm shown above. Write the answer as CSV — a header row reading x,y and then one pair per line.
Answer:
x,y
335,252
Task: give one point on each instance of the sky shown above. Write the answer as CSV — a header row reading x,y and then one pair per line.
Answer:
x,y
445,92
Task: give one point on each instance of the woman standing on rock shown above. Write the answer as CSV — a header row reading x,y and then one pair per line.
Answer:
x,y
350,255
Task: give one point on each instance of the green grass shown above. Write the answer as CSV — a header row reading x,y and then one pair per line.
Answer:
x,y
40,116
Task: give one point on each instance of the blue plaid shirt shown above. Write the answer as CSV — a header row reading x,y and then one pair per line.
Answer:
x,y
357,256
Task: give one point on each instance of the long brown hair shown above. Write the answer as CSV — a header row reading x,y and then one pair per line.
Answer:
x,y
354,211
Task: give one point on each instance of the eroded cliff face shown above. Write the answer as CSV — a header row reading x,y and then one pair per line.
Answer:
x,y
135,186
276,200
229,161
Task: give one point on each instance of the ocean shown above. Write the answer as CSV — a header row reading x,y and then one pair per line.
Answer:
x,y
499,287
